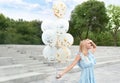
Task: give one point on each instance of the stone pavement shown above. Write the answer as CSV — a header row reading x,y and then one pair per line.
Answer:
x,y
106,74
25,64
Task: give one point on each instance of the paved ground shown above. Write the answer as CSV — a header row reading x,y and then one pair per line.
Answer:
x,y
107,74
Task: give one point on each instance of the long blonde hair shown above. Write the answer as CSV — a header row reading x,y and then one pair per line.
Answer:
x,y
82,45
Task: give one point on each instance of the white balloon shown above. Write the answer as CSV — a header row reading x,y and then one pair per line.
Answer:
x,y
50,52
48,25
49,37
65,40
63,54
59,6
62,26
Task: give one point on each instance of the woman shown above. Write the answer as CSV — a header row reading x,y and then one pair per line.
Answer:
x,y
85,61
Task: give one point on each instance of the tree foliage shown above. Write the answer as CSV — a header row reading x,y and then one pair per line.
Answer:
x,y
114,21
19,31
88,16
88,19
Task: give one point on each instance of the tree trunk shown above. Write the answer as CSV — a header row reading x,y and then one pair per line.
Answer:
x,y
115,38
87,33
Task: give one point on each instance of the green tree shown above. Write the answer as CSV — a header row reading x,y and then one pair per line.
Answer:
x,y
3,27
88,16
11,37
114,21
28,32
19,31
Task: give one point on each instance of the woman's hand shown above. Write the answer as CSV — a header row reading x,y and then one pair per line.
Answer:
x,y
90,40
58,76
93,49
68,67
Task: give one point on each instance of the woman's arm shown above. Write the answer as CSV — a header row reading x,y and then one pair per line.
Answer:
x,y
69,67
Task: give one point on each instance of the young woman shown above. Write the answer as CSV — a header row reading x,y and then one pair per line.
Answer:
x,y
85,61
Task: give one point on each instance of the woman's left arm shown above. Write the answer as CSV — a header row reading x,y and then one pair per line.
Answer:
x,y
69,67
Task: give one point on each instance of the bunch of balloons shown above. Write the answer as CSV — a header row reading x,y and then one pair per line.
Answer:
x,y
55,36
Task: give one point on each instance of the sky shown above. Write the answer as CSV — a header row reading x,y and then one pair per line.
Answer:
x,y
39,9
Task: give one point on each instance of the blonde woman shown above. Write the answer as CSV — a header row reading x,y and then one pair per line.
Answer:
x,y
85,61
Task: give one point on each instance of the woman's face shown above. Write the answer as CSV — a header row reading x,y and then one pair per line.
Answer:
x,y
88,44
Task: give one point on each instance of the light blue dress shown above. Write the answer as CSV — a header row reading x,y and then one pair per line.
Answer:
x,y
87,68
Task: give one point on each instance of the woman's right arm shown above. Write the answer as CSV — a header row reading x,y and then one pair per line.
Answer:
x,y
94,46
93,49
77,58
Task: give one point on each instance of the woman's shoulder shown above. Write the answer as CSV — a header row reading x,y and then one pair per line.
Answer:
x,y
80,54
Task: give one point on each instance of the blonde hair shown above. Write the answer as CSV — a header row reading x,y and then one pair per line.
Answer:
x,y
82,45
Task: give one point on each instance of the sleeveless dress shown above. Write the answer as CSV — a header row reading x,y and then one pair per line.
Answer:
x,y
87,68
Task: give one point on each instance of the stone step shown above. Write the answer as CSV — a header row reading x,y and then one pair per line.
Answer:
x,y
23,78
37,57
29,60
12,70
99,64
19,56
15,55
101,58
25,61
37,66
42,68
6,61
105,63
98,54
100,51
77,69
22,58
104,58
33,63
44,71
